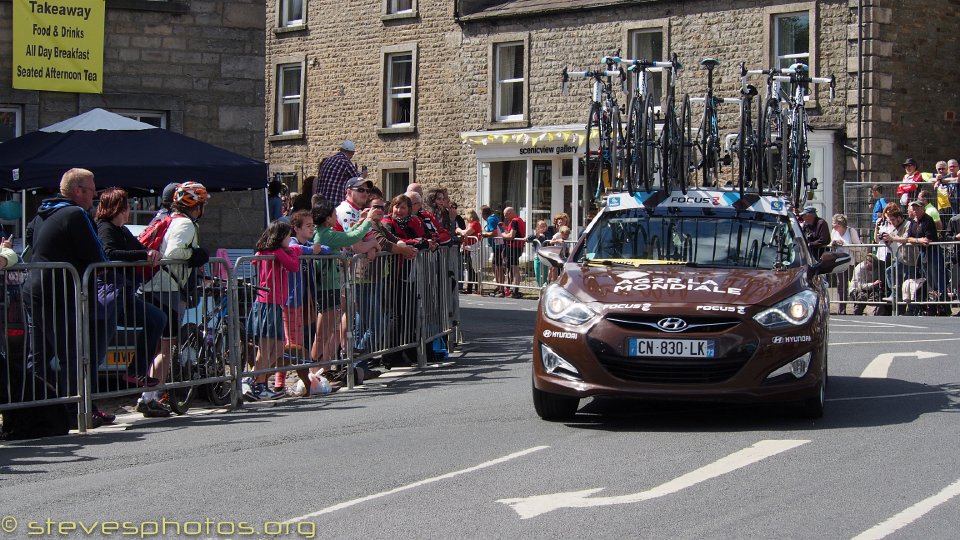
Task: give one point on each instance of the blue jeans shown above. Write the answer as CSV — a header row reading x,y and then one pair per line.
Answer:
x,y
368,324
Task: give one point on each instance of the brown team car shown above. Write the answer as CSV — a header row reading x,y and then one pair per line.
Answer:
x,y
700,296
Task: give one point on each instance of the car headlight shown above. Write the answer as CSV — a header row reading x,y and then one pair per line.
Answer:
x,y
561,306
794,311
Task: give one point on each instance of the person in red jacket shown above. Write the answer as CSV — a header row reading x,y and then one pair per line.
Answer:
x,y
907,190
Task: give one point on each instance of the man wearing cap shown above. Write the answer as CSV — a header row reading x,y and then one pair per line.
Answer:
x,y
334,173
815,231
908,186
166,201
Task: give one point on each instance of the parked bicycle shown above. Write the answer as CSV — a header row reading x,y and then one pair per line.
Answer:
x,y
203,351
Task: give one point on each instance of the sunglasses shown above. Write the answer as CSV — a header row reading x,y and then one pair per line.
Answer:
x,y
360,189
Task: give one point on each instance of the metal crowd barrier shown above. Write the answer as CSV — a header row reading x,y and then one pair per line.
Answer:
x,y
42,361
360,310
479,272
913,279
109,334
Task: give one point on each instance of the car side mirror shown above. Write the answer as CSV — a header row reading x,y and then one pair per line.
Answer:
x,y
551,255
829,261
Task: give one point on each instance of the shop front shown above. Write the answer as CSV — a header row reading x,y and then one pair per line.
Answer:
x,y
537,171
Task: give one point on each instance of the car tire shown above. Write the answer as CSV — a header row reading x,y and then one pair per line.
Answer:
x,y
554,407
812,407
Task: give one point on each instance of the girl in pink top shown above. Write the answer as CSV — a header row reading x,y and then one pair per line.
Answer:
x,y
265,323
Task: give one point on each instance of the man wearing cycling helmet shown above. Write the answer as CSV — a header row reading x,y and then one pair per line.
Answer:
x,y
169,286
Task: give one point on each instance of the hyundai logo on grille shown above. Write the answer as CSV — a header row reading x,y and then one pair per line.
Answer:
x,y
672,324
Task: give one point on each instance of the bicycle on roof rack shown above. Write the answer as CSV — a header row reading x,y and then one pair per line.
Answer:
x,y
604,163
641,156
707,143
795,161
676,137
769,135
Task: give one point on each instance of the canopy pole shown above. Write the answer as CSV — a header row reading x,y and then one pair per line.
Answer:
x,y
23,217
266,206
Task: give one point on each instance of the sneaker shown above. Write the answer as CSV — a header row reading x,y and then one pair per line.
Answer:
x,y
247,390
264,392
152,409
105,417
516,294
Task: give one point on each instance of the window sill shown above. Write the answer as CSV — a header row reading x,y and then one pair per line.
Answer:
x,y
509,124
287,29
389,17
396,130
285,137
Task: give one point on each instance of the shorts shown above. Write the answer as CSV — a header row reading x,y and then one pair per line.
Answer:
x,y
265,321
328,299
511,256
172,305
498,254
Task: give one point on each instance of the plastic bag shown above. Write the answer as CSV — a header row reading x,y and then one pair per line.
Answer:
x,y
318,386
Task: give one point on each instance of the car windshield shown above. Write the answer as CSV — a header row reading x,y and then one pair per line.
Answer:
x,y
746,240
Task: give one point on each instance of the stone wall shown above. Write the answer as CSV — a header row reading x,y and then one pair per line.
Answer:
x,y
910,62
200,61
906,48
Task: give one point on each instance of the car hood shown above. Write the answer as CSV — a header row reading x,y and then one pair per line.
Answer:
x,y
681,285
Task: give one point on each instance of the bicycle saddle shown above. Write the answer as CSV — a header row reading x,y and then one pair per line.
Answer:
x,y
709,63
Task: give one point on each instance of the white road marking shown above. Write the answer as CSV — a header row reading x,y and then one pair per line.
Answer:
x,y
861,324
417,484
879,366
890,396
528,507
887,333
908,516
896,341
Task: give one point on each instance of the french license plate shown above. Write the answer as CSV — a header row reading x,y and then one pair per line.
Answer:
x,y
677,348
120,358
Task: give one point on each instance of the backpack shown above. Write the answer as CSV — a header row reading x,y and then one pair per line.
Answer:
x,y
152,238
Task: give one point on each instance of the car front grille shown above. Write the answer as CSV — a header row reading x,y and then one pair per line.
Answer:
x,y
670,370
648,323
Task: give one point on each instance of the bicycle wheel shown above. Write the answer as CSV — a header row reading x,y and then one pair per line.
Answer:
x,y
217,358
685,142
786,162
770,146
186,359
745,151
615,150
651,158
633,150
801,161
593,157
665,151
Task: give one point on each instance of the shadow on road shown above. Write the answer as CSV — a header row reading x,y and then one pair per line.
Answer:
x,y
851,402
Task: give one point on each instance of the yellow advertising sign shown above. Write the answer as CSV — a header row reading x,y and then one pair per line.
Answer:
x,y
58,45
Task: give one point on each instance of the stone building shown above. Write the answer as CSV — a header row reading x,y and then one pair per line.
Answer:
x,y
466,94
194,67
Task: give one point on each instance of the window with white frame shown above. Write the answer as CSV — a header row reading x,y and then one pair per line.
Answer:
x,y
154,118
647,44
791,39
289,99
291,13
399,90
509,84
11,122
791,42
395,7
